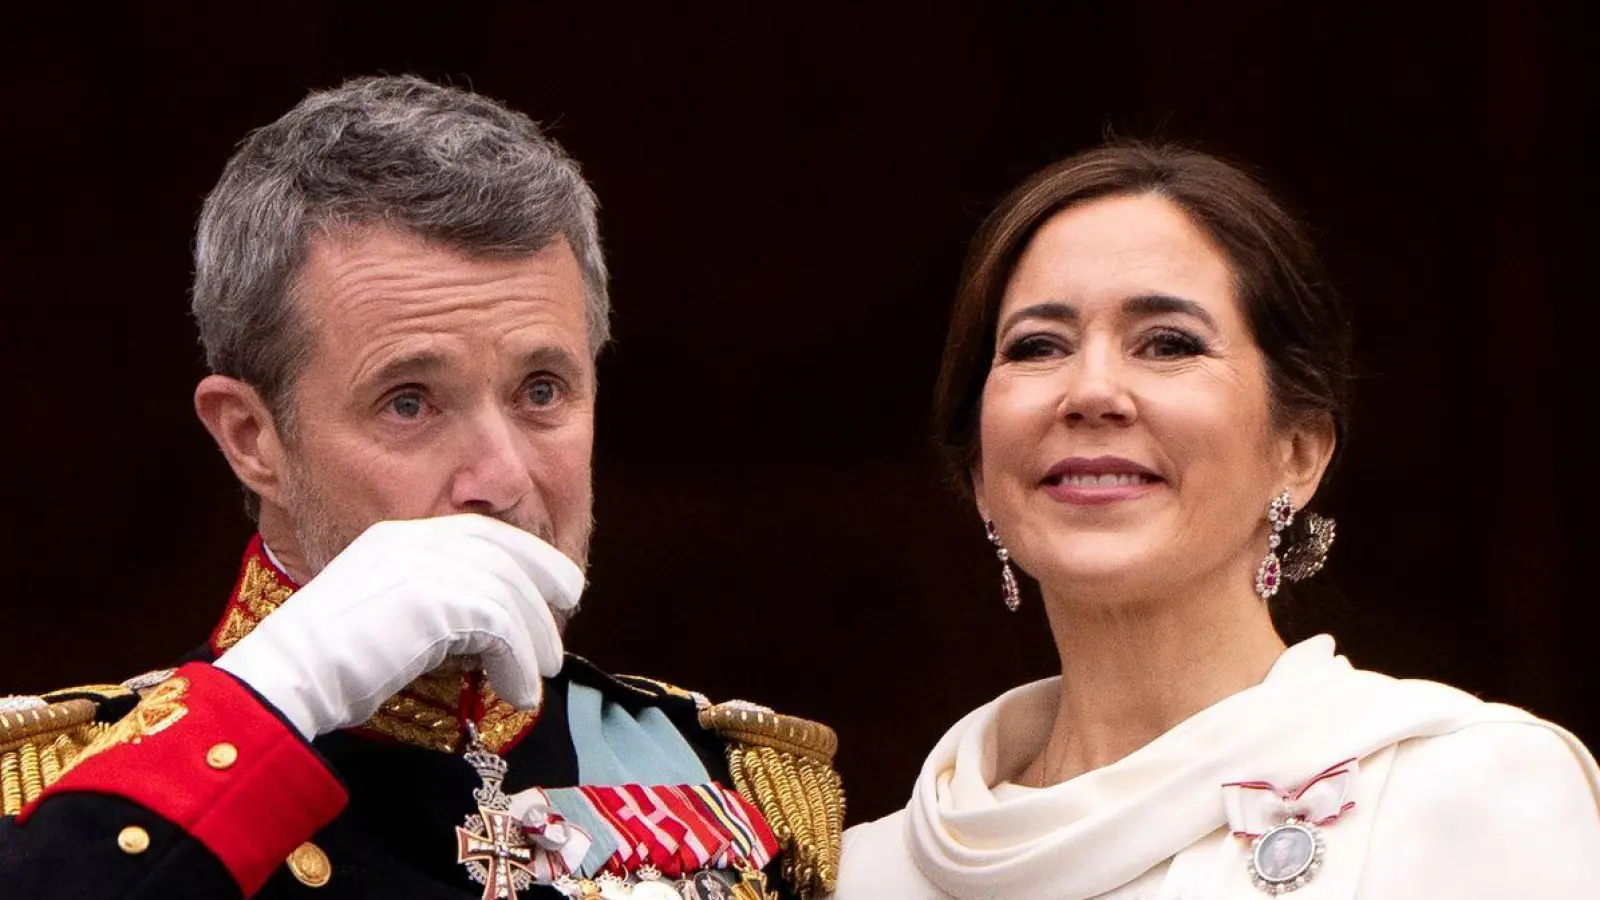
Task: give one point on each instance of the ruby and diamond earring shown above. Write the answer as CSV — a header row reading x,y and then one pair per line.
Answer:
x,y
1008,578
1302,559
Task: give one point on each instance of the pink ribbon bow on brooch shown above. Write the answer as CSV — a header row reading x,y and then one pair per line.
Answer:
x,y
1254,807
560,845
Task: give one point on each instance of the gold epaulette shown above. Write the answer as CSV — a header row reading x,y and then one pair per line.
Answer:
x,y
784,765
37,743
42,737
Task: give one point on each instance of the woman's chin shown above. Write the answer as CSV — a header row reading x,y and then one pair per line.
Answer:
x,y
1103,571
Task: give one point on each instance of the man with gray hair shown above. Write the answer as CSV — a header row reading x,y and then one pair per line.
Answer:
x,y
401,295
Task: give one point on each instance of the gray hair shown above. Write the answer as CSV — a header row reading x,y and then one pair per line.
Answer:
x,y
439,162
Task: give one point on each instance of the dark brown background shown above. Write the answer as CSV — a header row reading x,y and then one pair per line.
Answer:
x,y
785,204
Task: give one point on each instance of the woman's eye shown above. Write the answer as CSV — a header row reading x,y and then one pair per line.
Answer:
x,y
1036,346
543,391
1167,344
407,405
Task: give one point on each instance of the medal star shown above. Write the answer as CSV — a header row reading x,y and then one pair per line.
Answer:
x,y
501,853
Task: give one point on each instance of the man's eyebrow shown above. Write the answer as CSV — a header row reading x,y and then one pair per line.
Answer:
x,y
552,357
426,364
411,367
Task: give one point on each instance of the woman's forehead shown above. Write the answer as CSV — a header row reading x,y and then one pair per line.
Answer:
x,y
1109,250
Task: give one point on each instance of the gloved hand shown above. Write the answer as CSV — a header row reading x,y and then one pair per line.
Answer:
x,y
402,598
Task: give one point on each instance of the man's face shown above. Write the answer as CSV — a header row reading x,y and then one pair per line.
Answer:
x,y
437,383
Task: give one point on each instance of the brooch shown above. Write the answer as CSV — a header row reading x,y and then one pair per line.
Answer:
x,y
1284,826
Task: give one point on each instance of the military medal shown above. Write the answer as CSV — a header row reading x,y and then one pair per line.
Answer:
x,y
637,842
752,883
739,883
491,843
611,842
651,886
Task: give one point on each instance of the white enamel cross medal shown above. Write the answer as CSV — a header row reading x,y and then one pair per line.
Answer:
x,y
491,843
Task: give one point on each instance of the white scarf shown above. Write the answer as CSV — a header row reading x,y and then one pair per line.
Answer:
x,y
1102,829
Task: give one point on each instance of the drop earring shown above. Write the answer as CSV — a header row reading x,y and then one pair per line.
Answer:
x,y
1269,575
1008,578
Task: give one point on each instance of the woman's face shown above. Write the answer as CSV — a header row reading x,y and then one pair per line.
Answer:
x,y
1127,442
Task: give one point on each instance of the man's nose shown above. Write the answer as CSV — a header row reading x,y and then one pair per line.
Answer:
x,y
494,474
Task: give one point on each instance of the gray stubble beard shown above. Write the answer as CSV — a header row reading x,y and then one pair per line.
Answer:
x,y
322,537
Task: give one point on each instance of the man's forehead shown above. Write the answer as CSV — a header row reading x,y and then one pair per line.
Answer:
x,y
391,300
334,249
382,270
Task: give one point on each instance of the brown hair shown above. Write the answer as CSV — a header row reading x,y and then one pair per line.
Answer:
x,y
1293,314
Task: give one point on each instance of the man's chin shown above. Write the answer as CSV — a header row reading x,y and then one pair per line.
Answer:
x,y
564,617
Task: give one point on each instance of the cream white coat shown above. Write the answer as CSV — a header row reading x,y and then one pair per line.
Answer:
x,y
1453,798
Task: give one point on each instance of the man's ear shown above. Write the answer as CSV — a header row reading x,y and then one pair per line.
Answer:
x,y
243,428
1307,449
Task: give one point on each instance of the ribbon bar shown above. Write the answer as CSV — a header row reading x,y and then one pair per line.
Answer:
x,y
673,829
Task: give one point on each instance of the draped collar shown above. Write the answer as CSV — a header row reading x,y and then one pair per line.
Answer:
x,y
1104,828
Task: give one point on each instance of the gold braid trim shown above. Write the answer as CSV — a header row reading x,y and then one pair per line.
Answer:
x,y
784,766
38,744
425,714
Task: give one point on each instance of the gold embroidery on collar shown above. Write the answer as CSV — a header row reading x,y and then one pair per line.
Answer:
x,y
426,714
260,592
502,722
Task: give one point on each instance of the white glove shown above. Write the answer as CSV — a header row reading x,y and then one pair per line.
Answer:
x,y
402,598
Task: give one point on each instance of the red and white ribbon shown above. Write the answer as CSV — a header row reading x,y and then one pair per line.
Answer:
x,y
1255,807
558,843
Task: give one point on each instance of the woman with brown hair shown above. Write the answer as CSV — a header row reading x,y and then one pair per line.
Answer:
x,y
1143,387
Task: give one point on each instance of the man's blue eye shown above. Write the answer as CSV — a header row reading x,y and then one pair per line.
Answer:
x,y
407,406
542,392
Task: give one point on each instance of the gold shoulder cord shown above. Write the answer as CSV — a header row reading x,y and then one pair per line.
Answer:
x,y
40,739
37,744
784,765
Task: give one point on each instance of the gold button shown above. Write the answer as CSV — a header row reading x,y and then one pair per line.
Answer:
x,y
133,840
222,755
310,865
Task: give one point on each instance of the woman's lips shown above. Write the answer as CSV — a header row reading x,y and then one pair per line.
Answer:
x,y
1099,481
